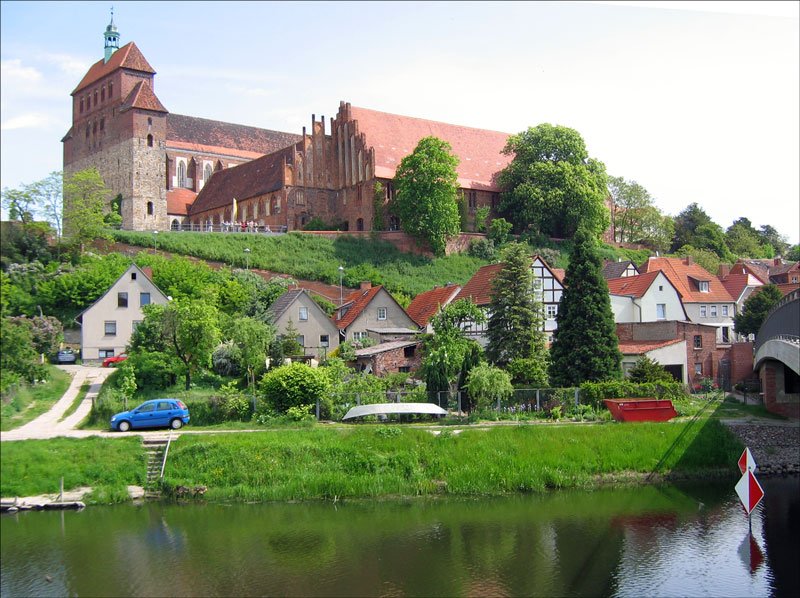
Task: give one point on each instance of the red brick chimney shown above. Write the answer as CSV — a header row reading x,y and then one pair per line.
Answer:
x,y
724,270
688,260
365,285
148,271
777,261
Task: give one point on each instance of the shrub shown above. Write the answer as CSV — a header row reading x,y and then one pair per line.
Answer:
x,y
528,372
499,230
226,358
153,369
593,393
487,384
482,249
649,370
293,385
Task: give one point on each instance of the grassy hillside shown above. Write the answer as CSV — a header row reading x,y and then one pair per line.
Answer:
x,y
313,257
316,258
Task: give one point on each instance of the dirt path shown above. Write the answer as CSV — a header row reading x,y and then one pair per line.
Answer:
x,y
48,425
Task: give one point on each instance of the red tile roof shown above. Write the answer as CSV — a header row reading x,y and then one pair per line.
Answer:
x,y
425,305
357,302
632,286
559,273
179,200
642,347
247,180
683,275
213,133
394,137
127,57
479,288
735,284
142,97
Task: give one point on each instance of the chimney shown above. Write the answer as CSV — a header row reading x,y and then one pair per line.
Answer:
x,y
148,271
688,260
365,285
724,270
777,261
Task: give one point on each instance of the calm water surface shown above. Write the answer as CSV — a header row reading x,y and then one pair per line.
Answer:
x,y
666,541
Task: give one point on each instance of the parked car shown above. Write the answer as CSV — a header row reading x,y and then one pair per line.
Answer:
x,y
110,362
156,413
66,356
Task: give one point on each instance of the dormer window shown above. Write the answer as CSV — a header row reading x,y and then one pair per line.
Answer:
x,y
703,284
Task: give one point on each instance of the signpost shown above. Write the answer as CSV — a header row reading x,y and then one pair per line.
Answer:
x,y
748,488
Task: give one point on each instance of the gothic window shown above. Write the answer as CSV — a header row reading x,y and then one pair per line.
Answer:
x,y
102,123
95,97
207,172
81,105
87,131
149,121
473,200
181,174
149,208
149,141
94,128
88,101
300,197
103,94
174,225
110,89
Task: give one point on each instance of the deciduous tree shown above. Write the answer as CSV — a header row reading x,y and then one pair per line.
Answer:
x,y
585,343
86,204
427,193
552,185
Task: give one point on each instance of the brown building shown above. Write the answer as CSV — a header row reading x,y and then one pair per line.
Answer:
x,y
156,161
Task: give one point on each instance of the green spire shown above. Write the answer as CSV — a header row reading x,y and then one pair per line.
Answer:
x,y
111,37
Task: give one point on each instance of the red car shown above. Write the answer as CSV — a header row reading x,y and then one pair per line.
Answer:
x,y
110,362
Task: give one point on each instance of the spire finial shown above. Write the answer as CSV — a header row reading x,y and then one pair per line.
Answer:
x,y
111,37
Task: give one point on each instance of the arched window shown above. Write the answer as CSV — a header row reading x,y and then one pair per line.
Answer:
x,y
81,104
110,89
207,172
181,174
149,208
88,101
149,141
102,124
175,225
95,97
103,94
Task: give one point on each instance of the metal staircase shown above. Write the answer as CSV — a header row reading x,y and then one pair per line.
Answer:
x,y
157,449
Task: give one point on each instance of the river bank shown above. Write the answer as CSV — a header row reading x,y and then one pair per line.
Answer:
x,y
378,461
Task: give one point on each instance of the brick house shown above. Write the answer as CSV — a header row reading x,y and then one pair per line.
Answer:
x,y
390,358
108,324
704,358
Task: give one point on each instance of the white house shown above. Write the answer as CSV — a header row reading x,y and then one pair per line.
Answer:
x,y
646,297
107,324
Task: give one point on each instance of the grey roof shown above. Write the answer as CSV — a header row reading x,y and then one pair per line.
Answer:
x,y
393,330
616,269
282,303
383,347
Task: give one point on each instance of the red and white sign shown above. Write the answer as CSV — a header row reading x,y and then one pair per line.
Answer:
x,y
747,462
749,491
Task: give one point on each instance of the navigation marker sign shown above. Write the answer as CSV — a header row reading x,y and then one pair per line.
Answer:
x,y
747,462
749,491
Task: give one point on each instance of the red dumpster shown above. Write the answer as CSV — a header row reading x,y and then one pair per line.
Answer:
x,y
641,410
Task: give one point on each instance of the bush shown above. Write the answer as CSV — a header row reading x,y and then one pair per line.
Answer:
x,y
593,393
293,385
154,369
528,372
225,359
482,249
487,384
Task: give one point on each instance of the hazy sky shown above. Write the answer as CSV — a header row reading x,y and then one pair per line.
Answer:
x,y
696,101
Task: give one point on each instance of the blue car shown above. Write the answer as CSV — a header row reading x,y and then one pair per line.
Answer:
x,y
158,413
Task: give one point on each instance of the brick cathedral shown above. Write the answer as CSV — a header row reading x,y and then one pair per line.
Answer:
x,y
173,170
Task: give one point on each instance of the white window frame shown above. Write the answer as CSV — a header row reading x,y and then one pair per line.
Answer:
x,y
713,311
110,325
551,311
661,311
382,312
724,310
324,340
303,314
704,286
703,311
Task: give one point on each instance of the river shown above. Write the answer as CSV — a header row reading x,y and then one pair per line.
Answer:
x,y
677,540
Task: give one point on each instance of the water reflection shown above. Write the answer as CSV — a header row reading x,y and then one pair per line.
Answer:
x,y
645,541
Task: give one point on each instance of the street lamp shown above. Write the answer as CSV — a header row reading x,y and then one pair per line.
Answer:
x,y
155,240
341,274
247,257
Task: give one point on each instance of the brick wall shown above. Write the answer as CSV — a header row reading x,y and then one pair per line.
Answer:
x,y
776,400
741,355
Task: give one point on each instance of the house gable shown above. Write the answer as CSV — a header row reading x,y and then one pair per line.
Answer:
x,y
319,334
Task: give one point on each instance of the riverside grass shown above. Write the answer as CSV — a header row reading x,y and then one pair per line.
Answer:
x,y
372,461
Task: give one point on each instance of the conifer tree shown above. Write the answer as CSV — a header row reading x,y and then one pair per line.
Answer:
x,y
515,328
585,345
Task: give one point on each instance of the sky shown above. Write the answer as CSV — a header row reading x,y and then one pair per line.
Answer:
x,y
696,101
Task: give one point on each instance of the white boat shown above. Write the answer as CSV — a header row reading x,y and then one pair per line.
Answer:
x,y
389,408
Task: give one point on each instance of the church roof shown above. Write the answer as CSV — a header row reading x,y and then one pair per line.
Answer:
x,y
142,97
251,179
127,57
393,137
179,200
202,131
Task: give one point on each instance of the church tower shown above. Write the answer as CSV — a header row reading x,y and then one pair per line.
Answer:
x,y
119,126
111,37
